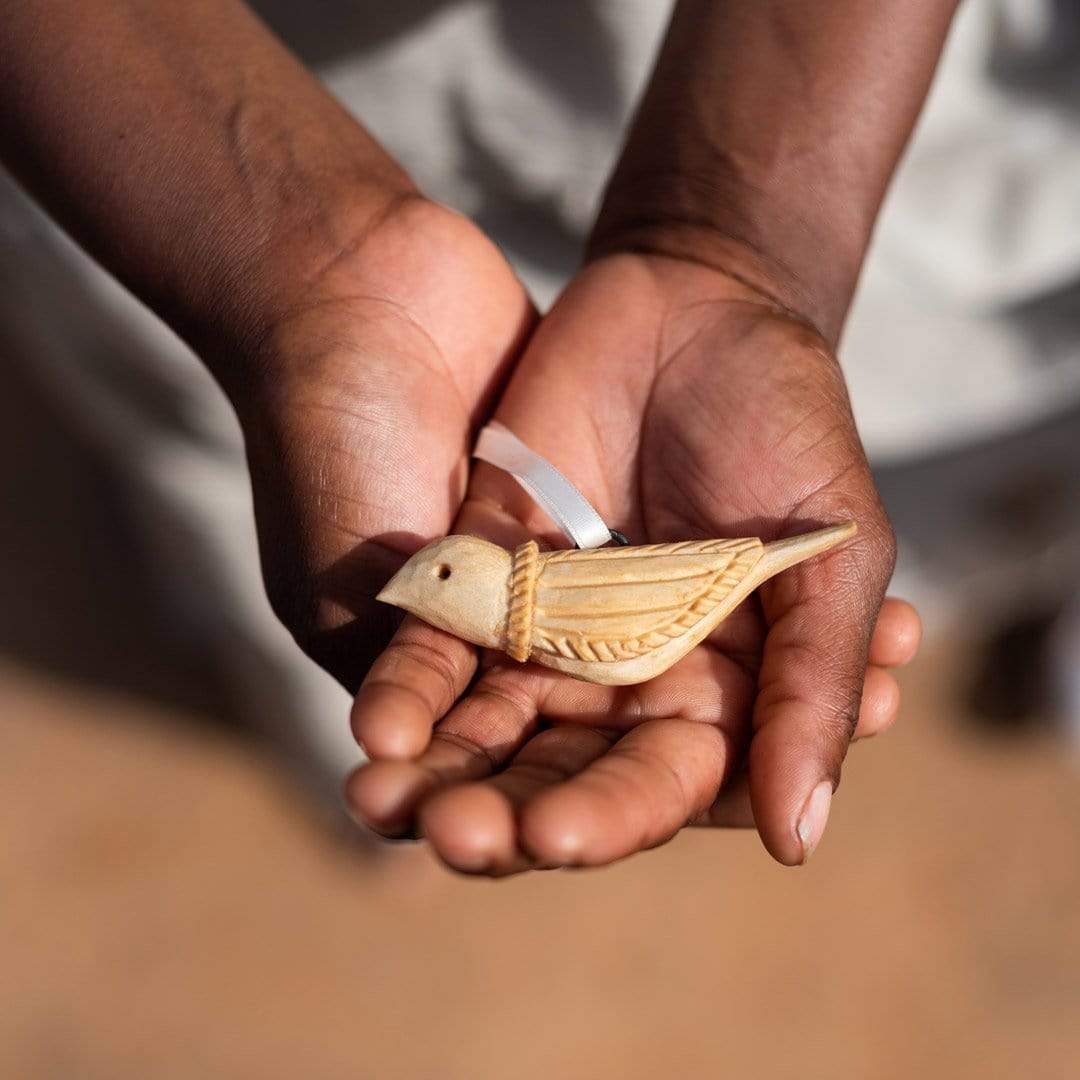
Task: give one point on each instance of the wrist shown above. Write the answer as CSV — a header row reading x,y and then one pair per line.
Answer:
x,y
231,315
767,137
796,253
387,295
192,155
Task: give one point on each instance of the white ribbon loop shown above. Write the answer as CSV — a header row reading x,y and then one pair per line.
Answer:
x,y
565,505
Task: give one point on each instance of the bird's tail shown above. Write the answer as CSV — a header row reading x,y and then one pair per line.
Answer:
x,y
781,554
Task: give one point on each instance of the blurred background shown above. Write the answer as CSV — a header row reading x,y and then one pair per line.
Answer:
x,y
180,894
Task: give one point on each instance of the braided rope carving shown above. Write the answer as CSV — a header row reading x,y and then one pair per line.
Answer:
x,y
519,623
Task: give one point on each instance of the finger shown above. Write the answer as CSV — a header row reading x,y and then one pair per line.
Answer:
x,y
410,687
473,827
820,615
477,737
383,795
880,704
897,634
705,686
501,710
653,781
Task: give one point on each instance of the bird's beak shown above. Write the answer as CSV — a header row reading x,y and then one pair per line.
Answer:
x,y
393,591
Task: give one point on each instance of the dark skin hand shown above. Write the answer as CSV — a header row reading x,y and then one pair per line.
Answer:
x,y
697,349
700,411
359,446
363,334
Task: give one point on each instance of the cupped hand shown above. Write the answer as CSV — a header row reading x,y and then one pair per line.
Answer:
x,y
368,394
684,406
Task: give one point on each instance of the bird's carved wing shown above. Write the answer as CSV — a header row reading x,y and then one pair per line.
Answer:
x,y
612,604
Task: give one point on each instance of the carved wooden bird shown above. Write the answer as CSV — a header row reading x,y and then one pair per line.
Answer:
x,y
613,615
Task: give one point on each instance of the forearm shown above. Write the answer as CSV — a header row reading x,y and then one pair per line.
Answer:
x,y
190,153
768,136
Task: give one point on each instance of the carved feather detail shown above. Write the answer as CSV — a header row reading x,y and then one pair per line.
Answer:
x,y
589,603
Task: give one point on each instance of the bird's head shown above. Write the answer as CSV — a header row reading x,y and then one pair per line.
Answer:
x,y
458,584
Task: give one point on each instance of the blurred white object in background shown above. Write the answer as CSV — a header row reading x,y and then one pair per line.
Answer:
x,y
963,348
967,324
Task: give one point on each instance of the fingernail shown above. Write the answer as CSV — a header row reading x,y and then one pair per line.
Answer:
x,y
814,816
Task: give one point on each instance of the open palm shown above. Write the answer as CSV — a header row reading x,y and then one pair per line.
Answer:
x,y
684,407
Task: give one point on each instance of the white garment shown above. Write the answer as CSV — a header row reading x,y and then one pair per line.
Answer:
x,y
967,323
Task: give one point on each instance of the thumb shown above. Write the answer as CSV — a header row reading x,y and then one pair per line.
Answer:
x,y
820,615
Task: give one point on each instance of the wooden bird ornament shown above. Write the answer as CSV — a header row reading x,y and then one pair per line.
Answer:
x,y
612,615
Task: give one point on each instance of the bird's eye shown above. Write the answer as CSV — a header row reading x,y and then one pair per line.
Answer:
x,y
442,572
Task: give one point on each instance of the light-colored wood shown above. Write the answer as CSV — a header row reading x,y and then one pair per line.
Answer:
x,y
613,615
